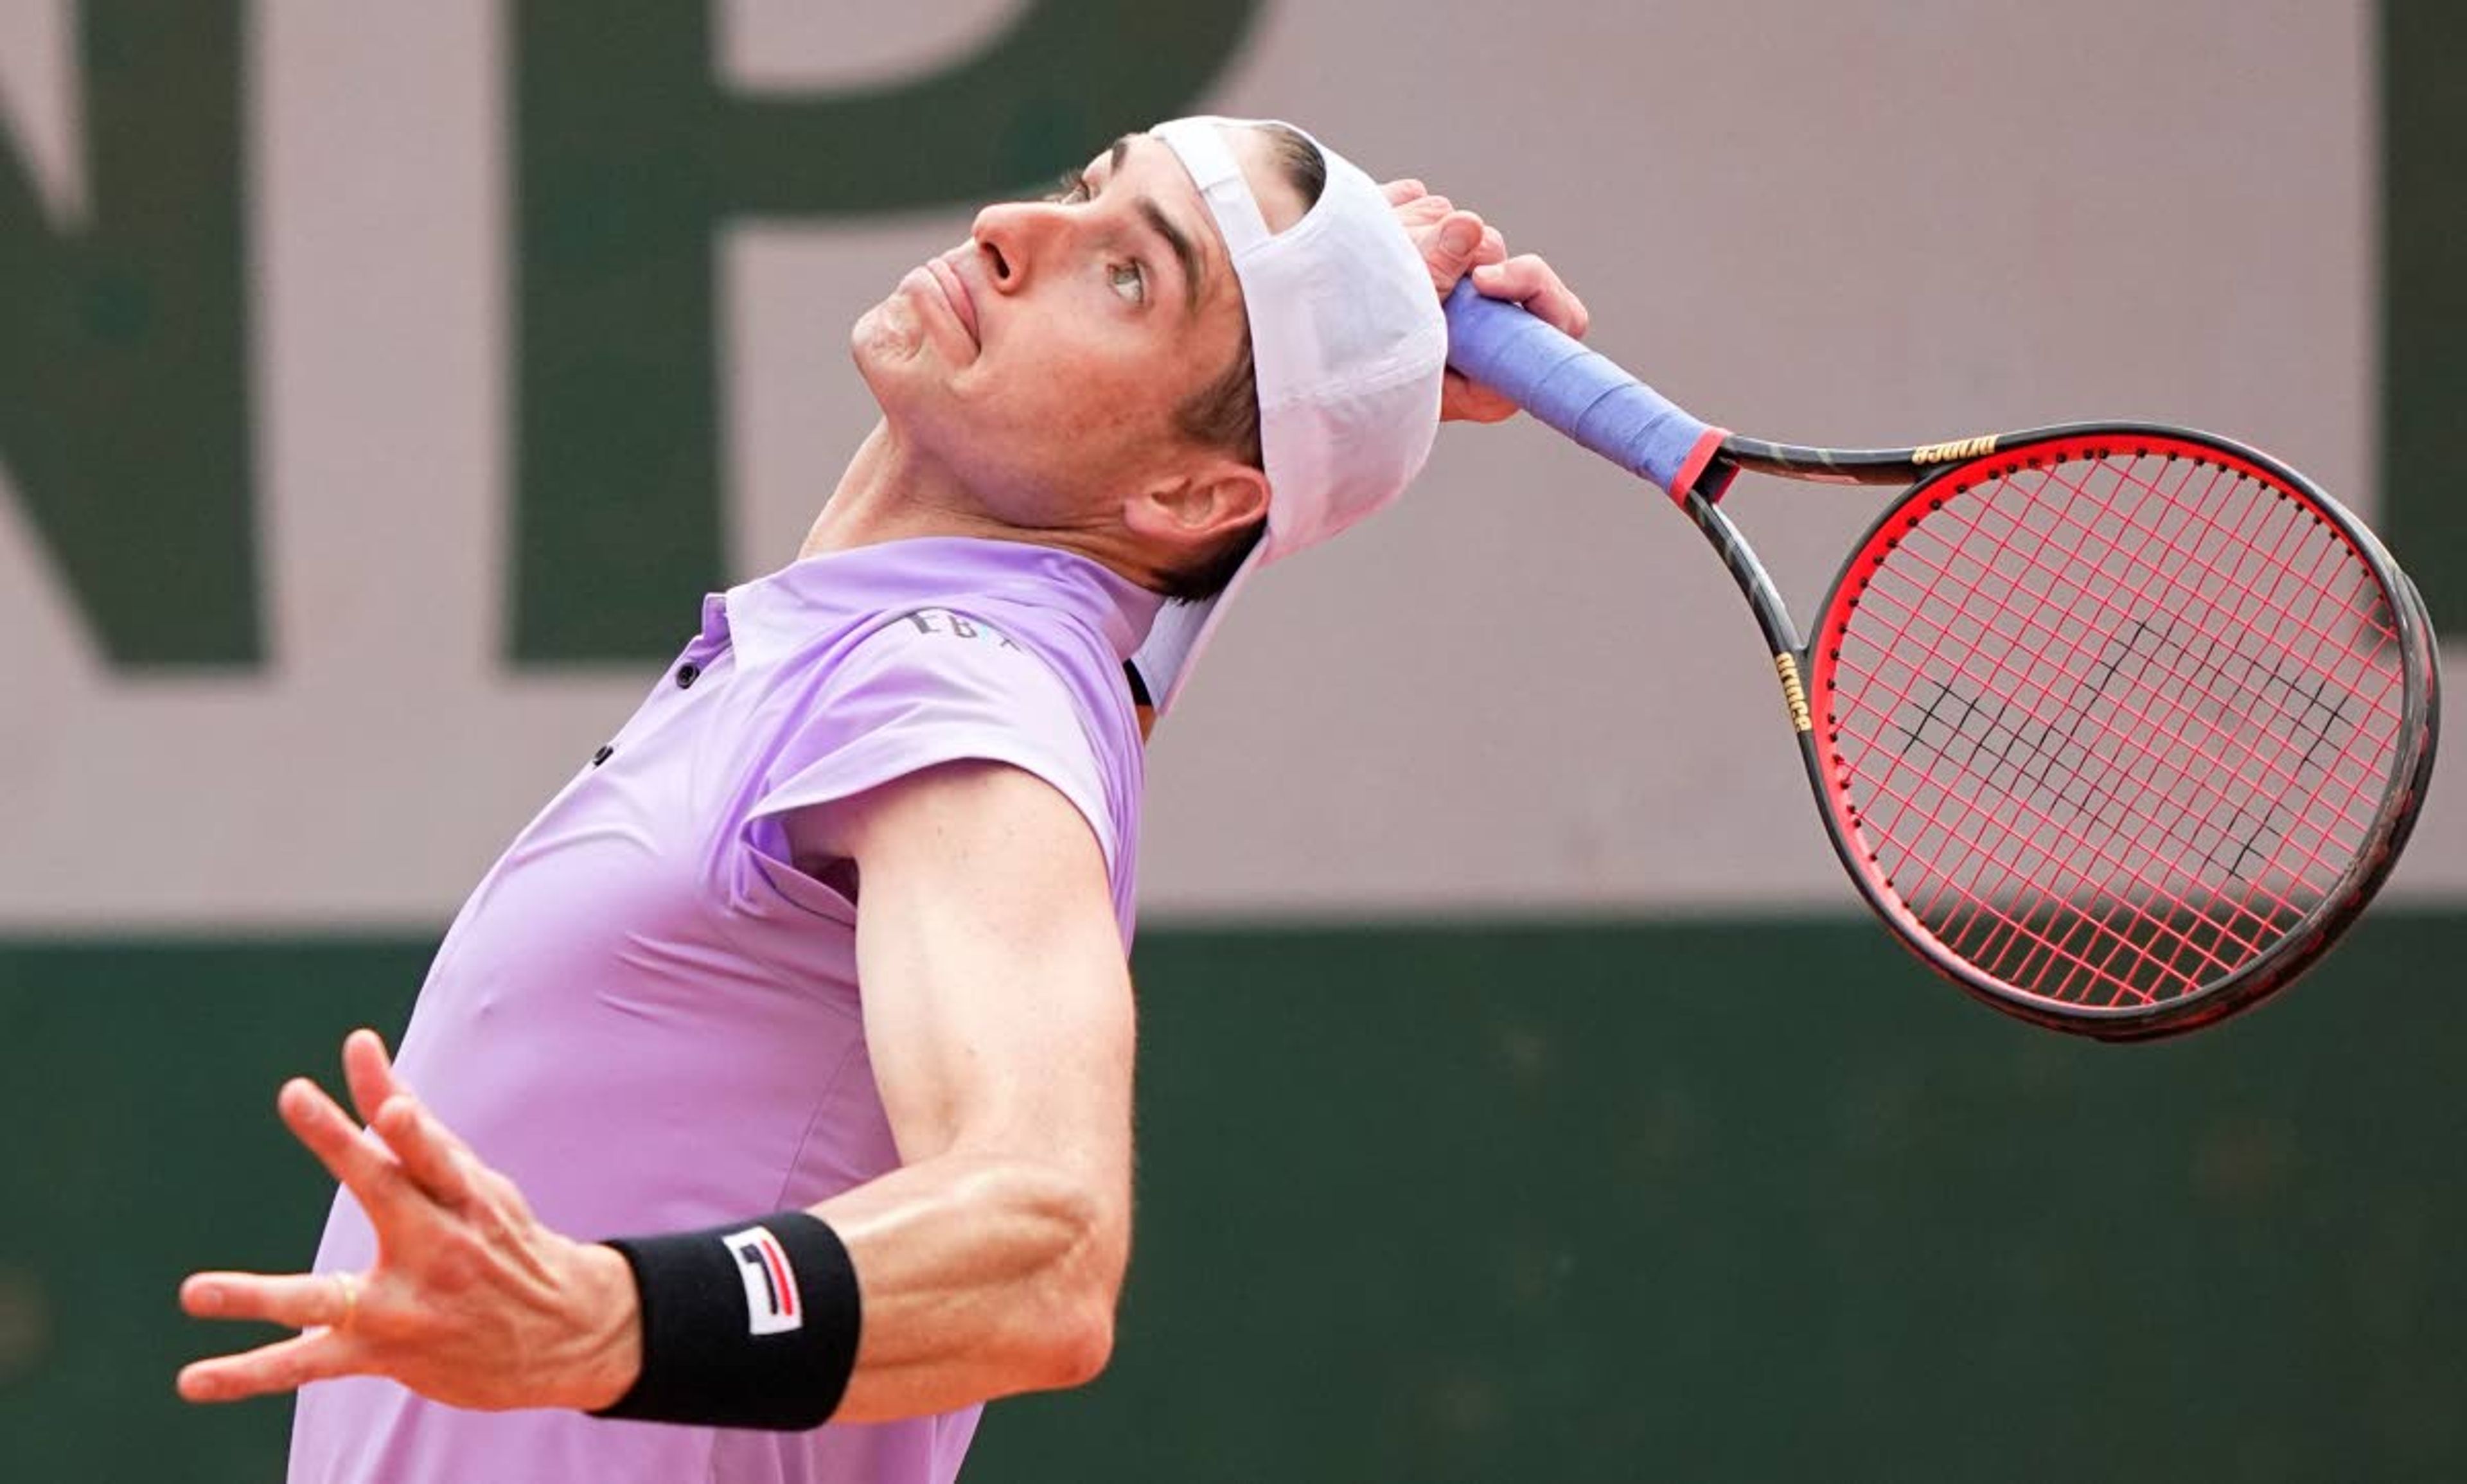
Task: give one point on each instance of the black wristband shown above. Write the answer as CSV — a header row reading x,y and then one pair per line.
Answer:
x,y
747,1325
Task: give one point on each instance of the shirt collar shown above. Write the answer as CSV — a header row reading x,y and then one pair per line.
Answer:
x,y
771,615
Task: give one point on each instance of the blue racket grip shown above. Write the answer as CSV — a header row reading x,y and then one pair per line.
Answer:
x,y
1581,392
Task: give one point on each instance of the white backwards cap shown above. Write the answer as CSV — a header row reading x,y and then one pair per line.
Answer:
x,y
1348,345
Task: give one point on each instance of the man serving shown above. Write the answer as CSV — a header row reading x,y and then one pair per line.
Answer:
x,y
816,975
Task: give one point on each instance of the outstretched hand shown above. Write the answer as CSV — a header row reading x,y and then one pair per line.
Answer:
x,y
1457,242
471,1302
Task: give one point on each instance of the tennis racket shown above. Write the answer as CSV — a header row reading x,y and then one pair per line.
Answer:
x,y
2117,726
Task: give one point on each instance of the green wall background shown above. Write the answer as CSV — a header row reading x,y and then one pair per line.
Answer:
x,y
1729,1200
2424,293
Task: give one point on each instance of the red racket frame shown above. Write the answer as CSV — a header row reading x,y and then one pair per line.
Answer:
x,y
1957,464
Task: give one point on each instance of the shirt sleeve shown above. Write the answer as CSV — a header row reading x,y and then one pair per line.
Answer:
x,y
929,688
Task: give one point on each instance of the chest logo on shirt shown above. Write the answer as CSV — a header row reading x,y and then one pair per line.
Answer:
x,y
956,625
771,1306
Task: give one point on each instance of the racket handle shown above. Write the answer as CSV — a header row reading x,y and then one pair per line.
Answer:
x,y
1581,392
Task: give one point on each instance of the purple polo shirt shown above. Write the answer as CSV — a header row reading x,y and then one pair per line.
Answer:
x,y
648,1014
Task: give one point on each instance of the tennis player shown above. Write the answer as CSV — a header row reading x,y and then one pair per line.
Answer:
x,y
816,973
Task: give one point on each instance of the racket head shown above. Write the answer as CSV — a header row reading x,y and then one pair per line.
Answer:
x,y
2120,726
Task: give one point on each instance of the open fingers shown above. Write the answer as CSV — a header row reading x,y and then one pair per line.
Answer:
x,y
284,1365
1401,191
365,1170
437,1161
370,1073
294,1300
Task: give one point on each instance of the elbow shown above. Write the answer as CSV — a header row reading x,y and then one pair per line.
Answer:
x,y
1081,1354
1081,1333
1048,1241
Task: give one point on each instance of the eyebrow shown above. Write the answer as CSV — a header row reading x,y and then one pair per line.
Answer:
x,y
1185,252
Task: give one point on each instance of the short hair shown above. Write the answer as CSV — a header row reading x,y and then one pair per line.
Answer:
x,y
1225,414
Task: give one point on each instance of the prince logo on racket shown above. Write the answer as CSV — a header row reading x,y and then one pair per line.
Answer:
x,y
1946,452
724,972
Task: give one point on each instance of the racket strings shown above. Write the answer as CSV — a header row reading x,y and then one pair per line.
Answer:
x,y
2278,674
2113,661
2140,629
2113,723
2004,930
2141,641
2136,649
2098,790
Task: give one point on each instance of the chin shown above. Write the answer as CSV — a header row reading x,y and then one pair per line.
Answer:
x,y
885,344
883,334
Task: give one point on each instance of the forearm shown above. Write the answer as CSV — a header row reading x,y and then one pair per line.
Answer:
x,y
982,1275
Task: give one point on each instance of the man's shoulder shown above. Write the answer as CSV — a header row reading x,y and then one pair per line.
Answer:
x,y
923,693
954,648
913,628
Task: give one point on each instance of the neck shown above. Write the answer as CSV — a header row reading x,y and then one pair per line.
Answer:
x,y
891,492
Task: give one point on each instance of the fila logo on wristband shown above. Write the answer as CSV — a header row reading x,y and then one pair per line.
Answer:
x,y
771,1306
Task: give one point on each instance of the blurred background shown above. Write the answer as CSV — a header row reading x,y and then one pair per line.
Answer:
x,y
1522,1097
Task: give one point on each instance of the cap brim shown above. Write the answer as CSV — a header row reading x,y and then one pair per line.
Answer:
x,y
1181,634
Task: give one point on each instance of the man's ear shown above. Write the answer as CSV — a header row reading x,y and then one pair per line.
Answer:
x,y
1198,508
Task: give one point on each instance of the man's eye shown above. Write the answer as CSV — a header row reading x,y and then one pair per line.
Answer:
x,y
1129,282
1071,191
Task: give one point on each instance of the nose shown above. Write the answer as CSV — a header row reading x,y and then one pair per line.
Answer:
x,y
1013,238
